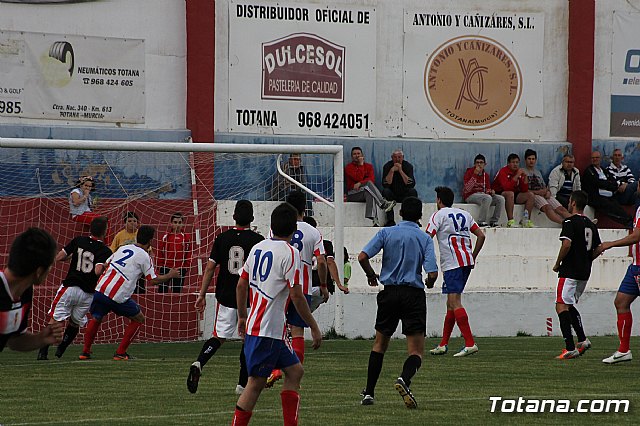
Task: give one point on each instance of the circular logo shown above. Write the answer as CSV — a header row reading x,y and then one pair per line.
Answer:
x,y
472,82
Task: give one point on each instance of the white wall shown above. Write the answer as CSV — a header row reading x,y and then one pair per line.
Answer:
x,y
390,58
161,23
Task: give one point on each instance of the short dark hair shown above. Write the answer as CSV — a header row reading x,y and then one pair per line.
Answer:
x,y
479,157
298,200
98,226
243,212
284,220
580,198
530,152
177,215
128,215
512,156
445,194
34,248
310,220
145,234
356,147
411,209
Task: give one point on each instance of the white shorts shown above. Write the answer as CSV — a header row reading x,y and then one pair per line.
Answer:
x,y
316,299
226,322
71,302
569,290
539,202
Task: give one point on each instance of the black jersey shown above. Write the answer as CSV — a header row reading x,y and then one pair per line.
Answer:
x,y
315,277
86,253
584,238
14,314
230,251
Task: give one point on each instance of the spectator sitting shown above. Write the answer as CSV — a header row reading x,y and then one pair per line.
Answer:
x,y
360,180
477,190
626,193
80,201
282,187
600,185
564,179
174,251
542,198
511,183
399,182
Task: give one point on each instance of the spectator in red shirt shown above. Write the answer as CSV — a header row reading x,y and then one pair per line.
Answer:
x,y
512,183
361,187
174,251
477,190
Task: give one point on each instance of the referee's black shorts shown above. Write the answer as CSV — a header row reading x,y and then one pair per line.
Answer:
x,y
401,303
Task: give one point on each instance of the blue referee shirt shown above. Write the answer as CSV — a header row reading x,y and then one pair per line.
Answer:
x,y
406,250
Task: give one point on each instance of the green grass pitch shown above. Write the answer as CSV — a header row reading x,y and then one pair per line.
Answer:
x,y
151,390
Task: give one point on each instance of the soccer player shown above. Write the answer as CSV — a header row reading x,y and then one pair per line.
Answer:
x,y
115,287
30,259
174,251
580,241
230,250
271,276
453,228
627,292
405,251
73,299
308,241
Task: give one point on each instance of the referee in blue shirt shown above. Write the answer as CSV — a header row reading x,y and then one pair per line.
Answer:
x,y
406,249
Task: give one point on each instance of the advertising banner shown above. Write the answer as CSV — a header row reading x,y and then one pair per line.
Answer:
x,y
298,68
73,78
625,75
472,75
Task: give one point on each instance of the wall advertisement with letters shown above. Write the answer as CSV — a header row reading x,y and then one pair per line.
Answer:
x,y
472,75
625,75
72,78
306,69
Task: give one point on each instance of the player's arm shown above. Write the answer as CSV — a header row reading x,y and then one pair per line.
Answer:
x,y
629,240
480,237
332,268
62,255
242,290
372,277
322,275
173,273
564,250
207,276
49,335
302,307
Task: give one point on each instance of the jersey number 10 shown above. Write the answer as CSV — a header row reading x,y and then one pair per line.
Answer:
x,y
262,265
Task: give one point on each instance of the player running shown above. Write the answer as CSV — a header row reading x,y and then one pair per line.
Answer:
x,y
115,287
230,250
271,277
73,299
308,241
453,228
580,242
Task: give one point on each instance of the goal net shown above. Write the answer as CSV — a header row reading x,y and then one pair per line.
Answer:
x,y
155,181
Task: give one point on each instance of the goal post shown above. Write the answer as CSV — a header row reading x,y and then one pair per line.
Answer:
x,y
38,174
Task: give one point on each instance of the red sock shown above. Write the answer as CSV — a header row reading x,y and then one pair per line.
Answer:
x,y
90,335
290,403
298,347
625,321
129,334
241,418
463,324
449,322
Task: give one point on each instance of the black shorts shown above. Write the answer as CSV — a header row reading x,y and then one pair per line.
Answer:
x,y
401,303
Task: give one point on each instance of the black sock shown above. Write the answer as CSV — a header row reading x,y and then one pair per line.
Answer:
x,y
576,322
70,333
373,371
410,368
243,378
44,351
565,327
208,350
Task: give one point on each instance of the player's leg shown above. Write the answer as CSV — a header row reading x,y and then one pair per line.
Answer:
x,y
243,376
565,296
79,303
289,396
627,293
62,314
583,343
131,310
100,307
456,280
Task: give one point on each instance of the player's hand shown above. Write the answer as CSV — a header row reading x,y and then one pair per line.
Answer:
x,y
325,294
242,327
52,334
342,288
556,267
201,303
372,280
316,336
174,273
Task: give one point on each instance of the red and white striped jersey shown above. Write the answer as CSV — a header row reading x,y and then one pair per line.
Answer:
x,y
125,267
271,268
453,228
635,249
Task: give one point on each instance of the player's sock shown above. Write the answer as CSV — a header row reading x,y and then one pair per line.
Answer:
x,y
70,333
290,403
90,335
463,324
576,323
373,371
208,350
447,329
625,321
129,334
410,368
243,378
565,327
241,417
298,347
